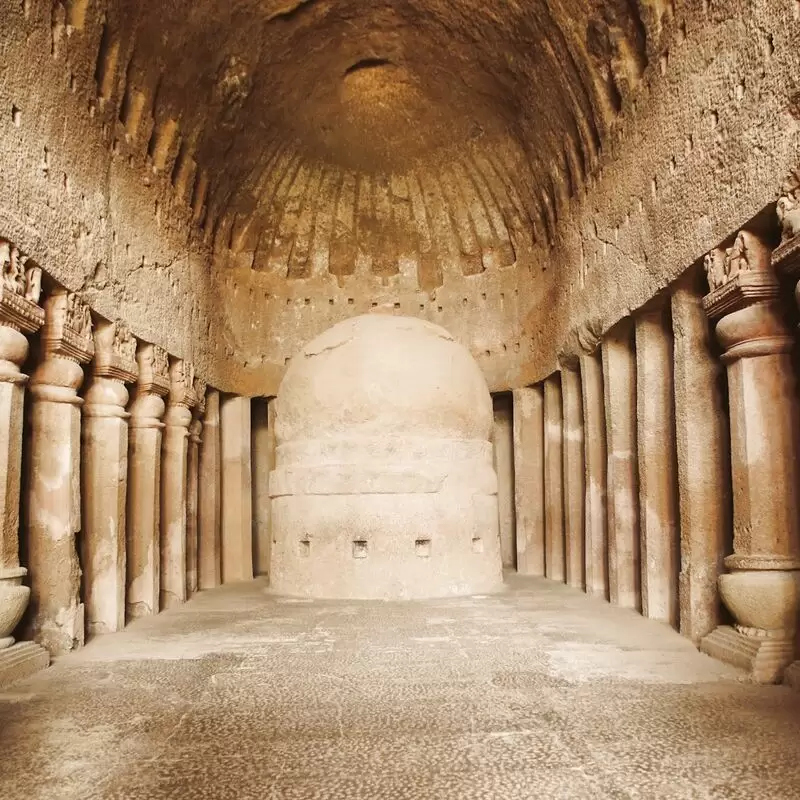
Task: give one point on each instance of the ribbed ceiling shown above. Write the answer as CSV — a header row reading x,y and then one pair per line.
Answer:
x,y
325,132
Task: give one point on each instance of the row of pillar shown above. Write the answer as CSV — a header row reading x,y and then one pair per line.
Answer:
x,y
118,496
660,470
598,494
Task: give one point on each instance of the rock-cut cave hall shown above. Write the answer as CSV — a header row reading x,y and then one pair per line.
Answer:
x,y
399,399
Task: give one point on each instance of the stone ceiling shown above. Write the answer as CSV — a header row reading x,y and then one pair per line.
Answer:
x,y
333,130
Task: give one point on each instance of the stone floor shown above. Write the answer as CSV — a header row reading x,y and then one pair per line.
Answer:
x,y
537,693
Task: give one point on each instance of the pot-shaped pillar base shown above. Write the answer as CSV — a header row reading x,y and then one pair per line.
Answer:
x,y
20,661
765,606
13,602
17,661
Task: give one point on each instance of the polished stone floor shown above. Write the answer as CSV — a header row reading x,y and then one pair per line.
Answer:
x,y
539,692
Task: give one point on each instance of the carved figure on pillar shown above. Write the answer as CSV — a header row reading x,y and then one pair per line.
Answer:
x,y
762,588
20,314
788,212
53,500
174,481
144,482
105,476
192,487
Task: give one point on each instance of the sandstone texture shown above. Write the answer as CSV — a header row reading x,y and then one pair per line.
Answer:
x,y
347,308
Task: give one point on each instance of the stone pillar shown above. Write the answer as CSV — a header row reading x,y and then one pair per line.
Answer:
x,y
209,512
574,476
237,492
595,458
104,477
263,463
144,482
53,507
702,437
786,259
529,479
193,489
174,480
619,383
553,479
655,437
503,438
20,314
762,589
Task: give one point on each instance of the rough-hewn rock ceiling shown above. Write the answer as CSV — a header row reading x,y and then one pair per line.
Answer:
x,y
313,133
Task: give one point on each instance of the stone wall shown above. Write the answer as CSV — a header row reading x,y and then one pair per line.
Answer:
x,y
93,196
706,142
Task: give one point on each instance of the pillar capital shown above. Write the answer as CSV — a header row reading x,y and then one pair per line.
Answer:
x,y
20,290
67,331
113,366
20,313
745,300
786,257
182,384
115,352
153,364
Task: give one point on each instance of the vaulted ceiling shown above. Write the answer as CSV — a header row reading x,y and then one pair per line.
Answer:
x,y
325,131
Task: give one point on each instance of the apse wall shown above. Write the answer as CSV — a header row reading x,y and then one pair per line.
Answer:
x,y
696,143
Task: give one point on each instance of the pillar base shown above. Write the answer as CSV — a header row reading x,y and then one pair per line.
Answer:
x,y
792,676
764,658
21,661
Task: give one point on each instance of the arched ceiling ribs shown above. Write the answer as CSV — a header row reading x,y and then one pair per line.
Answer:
x,y
407,135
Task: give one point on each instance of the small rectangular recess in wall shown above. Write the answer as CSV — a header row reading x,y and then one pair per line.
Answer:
x,y
359,548
422,548
305,547
477,544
